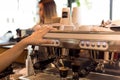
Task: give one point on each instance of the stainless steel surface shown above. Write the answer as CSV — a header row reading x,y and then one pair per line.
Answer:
x,y
91,76
96,41
41,76
105,41
98,76
83,35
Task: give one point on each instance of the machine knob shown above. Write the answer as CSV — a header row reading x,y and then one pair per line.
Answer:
x,y
104,44
56,42
98,44
87,43
93,44
82,43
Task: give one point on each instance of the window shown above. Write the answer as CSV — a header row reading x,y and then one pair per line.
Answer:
x,y
94,11
17,14
23,13
116,11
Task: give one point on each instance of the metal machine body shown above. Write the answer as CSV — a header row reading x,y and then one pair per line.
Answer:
x,y
106,42
94,43
103,41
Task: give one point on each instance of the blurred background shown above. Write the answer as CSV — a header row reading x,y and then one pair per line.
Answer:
x,y
23,13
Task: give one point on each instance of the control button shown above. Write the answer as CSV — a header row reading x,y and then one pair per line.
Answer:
x,y
93,44
87,43
82,43
98,44
56,42
104,44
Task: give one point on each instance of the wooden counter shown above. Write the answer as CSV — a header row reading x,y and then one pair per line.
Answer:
x,y
8,45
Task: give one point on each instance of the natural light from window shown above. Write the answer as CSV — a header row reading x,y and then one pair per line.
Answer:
x,y
23,13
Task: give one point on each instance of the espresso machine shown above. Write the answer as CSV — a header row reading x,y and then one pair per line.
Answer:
x,y
93,55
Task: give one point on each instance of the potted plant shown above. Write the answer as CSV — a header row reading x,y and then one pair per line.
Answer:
x,y
77,2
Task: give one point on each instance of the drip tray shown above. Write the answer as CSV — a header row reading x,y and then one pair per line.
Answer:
x,y
91,76
99,76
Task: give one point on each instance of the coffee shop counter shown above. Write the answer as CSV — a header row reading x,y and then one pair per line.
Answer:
x,y
8,45
54,75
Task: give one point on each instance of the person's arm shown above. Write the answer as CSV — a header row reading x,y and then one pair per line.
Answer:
x,y
7,57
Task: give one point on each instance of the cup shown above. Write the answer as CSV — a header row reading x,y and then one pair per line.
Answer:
x,y
63,72
75,67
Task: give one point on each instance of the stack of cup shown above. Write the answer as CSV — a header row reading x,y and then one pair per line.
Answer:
x,y
76,16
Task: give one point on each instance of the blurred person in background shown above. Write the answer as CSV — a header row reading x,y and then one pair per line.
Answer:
x,y
47,11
